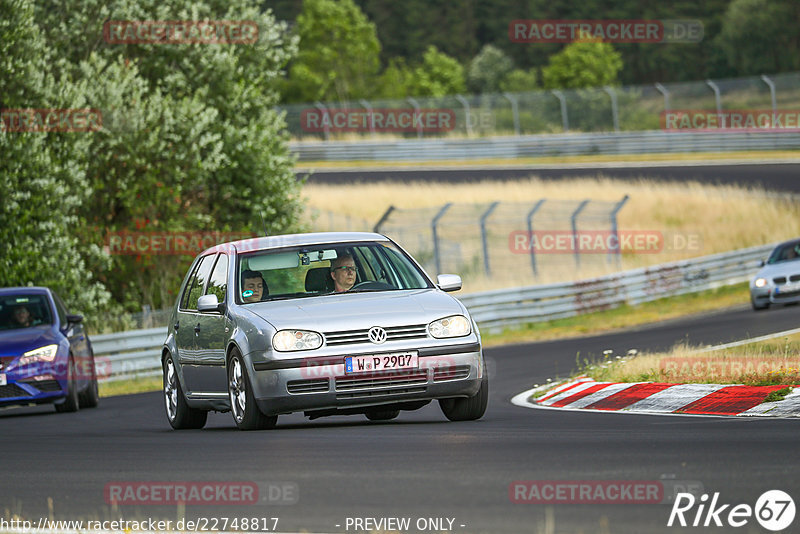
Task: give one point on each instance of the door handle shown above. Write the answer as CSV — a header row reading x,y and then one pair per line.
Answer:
x,y
177,325
197,329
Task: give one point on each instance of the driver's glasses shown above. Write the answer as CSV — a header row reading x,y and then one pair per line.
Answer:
x,y
347,268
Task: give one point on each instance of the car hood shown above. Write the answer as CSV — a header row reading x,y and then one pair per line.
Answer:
x,y
17,342
779,269
354,311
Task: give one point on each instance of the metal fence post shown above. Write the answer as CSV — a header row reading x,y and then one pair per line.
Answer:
x,y
614,110
434,223
574,223
417,113
718,98
564,120
485,216
615,232
463,102
771,86
324,110
529,220
514,110
663,90
384,217
368,107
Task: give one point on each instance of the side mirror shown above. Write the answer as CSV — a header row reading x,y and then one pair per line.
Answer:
x,y
448,282
74,319
762,263
209,304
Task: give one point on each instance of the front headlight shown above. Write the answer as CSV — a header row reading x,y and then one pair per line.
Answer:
x,y
760,282
42,354
453,326
288,340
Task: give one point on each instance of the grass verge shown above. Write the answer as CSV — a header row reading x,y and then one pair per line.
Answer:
x,y
763,363
126,387
622,317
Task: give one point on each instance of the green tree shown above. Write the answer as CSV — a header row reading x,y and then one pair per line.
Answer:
x,y
488,69
339,53
42,182
760,36
519,81
583,63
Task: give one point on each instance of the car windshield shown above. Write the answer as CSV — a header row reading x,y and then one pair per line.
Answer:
x,y
787,252
326,269
24,311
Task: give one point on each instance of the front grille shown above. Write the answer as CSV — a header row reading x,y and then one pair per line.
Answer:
x,y
779,280
12,390
380,393
794,278
458,372
312,385
344,337
347,383
44,385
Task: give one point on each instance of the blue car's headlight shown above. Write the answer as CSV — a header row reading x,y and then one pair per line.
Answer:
x,y
289,340
453,326
42,354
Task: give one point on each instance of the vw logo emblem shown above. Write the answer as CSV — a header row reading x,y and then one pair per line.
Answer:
x,y
377,335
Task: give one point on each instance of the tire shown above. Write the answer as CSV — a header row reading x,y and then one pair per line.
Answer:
x,y
468,409
244,409
382,415
71,402
90,397
179,414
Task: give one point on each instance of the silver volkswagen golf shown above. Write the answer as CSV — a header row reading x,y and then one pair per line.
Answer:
x,y
326,324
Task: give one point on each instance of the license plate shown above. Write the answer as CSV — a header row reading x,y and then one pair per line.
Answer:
x,y
788,288
3,380
380,362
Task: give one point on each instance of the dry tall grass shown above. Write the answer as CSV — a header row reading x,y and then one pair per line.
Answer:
x,y
768,362
724,217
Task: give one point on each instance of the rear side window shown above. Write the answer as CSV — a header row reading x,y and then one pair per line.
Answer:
x,y
194,288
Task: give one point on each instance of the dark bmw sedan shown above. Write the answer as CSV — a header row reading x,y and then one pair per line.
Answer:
x,y
45,354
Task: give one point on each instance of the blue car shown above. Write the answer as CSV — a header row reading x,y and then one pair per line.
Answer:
x,y
45,354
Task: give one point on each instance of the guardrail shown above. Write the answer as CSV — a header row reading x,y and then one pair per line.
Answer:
x,y
495,309
137,353
529,146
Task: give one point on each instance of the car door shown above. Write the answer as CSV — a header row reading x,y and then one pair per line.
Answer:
x,y
187,322
208,369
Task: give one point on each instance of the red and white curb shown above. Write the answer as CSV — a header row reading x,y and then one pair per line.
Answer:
x,y
583,393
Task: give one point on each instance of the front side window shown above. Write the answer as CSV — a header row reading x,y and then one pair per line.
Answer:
x,y
24,311
788,252
194,287
325,269
218,283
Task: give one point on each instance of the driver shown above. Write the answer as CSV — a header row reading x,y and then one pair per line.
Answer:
x,y
343,272
253,286
22,316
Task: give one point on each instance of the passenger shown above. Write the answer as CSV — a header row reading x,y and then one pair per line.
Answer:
x,y
343,272
254,288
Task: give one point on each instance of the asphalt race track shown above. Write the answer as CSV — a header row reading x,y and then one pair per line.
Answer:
x,y
775,176
420,465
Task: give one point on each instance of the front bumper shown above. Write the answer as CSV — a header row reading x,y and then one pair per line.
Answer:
x,y
773,295
321,383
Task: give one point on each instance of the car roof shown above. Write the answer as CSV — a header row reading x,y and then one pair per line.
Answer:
x,y
24,290
794,241
294,240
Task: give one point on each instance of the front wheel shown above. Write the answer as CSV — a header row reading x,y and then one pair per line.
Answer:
x,y
245,411
180,414
71,402
470,408
90,397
